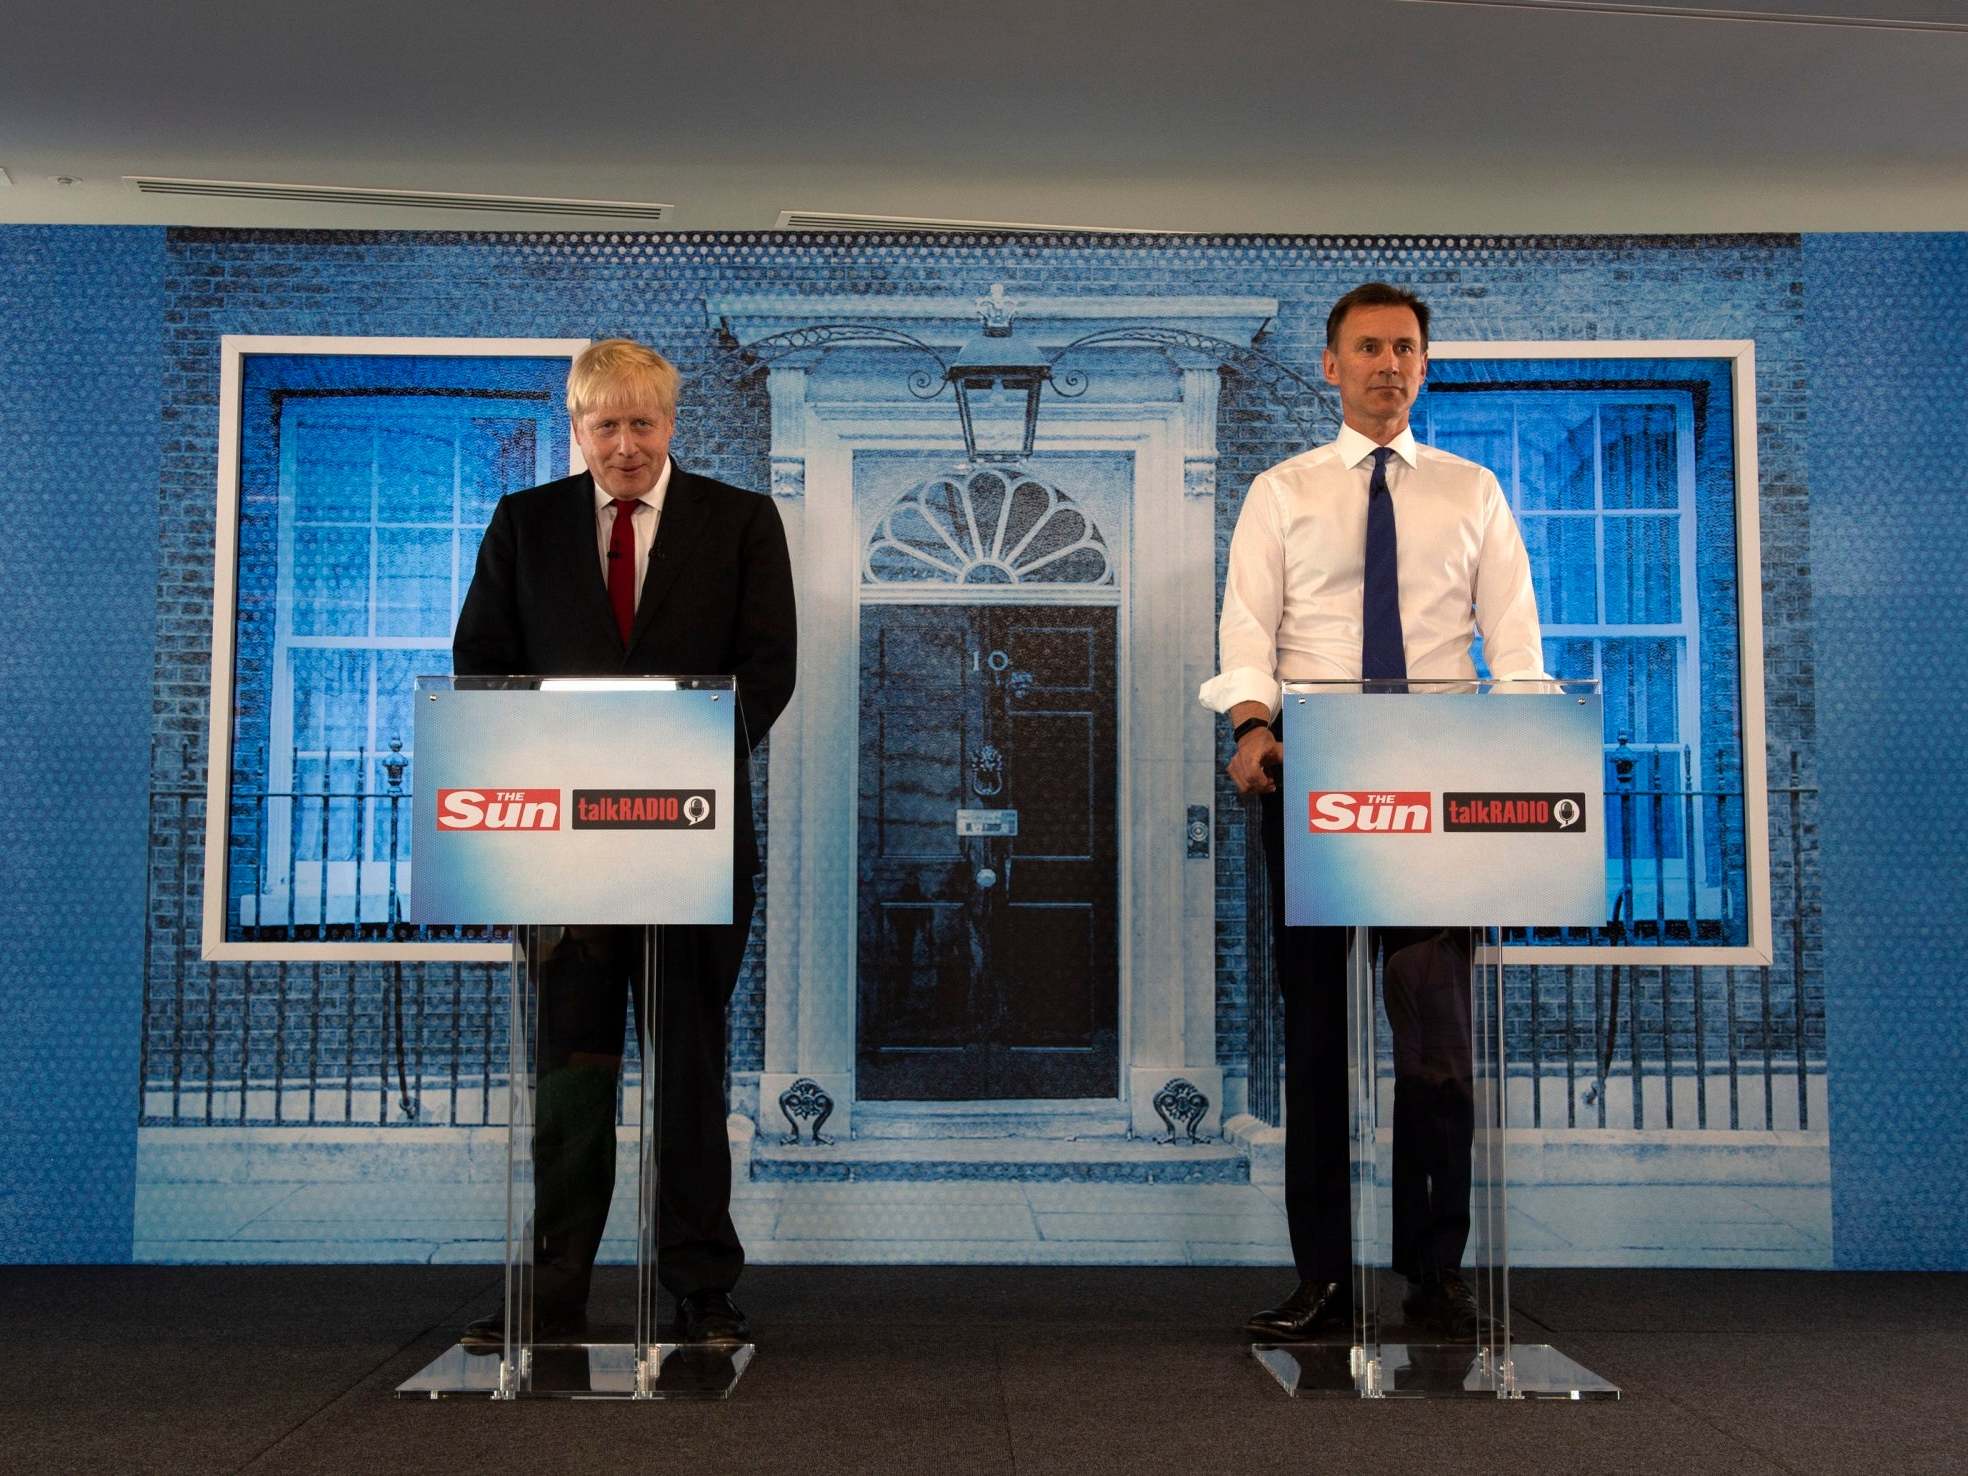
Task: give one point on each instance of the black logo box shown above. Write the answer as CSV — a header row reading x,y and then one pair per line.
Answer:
x,y
1513,810
644,809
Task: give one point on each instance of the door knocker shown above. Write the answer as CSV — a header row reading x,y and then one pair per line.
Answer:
x,y
987,771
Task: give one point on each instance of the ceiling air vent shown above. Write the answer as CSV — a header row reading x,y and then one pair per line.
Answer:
x,y
822,220
305,194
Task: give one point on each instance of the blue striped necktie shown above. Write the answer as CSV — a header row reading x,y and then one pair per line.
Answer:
x,y
1382,656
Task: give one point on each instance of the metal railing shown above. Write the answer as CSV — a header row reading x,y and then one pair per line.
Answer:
x,y
1733,1042
392,1042
1666,830
306,1041
326,864
320,1042
296,1042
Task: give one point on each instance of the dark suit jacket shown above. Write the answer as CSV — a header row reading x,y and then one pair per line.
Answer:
x,y
717,601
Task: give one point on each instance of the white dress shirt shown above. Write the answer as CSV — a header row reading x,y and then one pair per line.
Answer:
x,y
1297,576
645,526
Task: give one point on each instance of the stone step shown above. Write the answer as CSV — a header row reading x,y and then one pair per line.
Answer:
x,y
1096,1118
1113,1160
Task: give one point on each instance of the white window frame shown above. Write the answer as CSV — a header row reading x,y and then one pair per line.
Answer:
x,y
234,349
1687,630
281,816
1741,355
1037,591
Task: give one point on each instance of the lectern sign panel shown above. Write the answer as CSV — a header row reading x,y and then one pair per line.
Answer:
x,y
607,803
1427,808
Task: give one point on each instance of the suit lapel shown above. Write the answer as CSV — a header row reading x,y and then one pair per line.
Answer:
x,y
580,555
686,514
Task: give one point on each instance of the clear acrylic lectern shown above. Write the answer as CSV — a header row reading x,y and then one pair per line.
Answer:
x,y
1422,817
587,815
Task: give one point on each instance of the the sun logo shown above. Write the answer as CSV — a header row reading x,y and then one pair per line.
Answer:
x,y
1379,811
498,809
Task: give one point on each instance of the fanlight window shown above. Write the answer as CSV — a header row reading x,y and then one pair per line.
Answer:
x,y
987,525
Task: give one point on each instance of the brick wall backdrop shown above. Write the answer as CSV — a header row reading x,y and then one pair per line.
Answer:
x,y
654,288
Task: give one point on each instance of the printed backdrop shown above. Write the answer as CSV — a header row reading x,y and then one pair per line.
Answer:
x,y
994,1019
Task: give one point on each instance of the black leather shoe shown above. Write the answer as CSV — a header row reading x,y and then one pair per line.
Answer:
x,y
488,1334
1444,1304
711,1317
1315,1309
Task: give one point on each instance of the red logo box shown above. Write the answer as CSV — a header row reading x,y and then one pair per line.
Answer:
x,y
498,809
1370,811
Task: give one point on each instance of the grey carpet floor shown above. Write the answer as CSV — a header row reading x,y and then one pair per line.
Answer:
x,y
958,1370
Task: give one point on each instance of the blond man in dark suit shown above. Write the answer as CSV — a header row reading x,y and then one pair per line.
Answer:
x,y
637,567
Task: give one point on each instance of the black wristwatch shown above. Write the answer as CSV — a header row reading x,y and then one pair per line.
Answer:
x,y
1237,733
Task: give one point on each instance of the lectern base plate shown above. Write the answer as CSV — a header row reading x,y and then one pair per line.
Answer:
x,y
584,1371
1428,1371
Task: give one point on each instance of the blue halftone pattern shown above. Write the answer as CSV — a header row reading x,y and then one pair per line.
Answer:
x,y
65,1095
1889,491
656,288
81,365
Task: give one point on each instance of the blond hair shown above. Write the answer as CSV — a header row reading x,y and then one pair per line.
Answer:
x,y
618,371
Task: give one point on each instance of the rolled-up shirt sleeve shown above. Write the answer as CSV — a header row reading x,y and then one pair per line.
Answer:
x,y
1253,604
1506,605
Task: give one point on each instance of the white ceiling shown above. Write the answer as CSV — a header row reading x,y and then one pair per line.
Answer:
x,y
1312,115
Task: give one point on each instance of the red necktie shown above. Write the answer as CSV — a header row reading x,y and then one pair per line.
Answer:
x,y
621,565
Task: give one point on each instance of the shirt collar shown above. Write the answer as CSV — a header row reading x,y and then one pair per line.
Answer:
x,y
1355,448
652,498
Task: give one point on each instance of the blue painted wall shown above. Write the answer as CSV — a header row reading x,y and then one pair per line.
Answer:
x,y
81,364
1888,325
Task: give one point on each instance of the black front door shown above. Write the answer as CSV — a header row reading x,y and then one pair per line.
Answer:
x,y
988,959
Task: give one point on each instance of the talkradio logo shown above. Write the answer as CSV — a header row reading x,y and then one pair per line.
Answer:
x,y
645,809
1523,812
1375,811
498,809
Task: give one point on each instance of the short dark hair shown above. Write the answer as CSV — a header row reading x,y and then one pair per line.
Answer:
x,y
1375,294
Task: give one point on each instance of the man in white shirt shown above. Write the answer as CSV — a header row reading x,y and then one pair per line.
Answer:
x,y
1371,556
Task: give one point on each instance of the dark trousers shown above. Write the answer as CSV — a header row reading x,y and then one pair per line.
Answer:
x,y
1426,981
1427,988
589,981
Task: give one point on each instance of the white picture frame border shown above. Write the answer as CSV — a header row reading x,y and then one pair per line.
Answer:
x,y
234,350
1741,354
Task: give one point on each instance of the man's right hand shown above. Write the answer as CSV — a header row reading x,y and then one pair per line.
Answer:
x,y
1254,767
